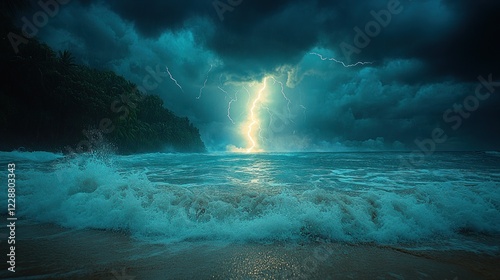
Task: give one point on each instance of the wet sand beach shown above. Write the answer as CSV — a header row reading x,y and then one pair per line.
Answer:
x,y
47,251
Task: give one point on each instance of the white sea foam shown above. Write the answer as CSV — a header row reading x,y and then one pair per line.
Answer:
x,y
91,193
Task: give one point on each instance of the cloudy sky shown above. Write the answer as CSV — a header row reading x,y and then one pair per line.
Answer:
x,y
418,71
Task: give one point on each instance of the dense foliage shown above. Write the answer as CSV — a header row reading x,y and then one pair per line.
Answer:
x,y
47,102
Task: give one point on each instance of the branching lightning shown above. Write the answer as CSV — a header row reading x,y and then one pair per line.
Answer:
x,y
220,86
205,82
235,99
229,106
252,128
172,78
223,90
232,99
284,95
271,120
201,89
341,62
304,109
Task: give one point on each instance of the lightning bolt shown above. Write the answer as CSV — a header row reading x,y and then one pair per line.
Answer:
x,y
172,78
253,119
284,95
341,62
271,118
227,96
229,106
220,86
252,129
304,109
205,83
221,89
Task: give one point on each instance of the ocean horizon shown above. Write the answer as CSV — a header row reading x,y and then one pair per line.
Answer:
x,y
450,203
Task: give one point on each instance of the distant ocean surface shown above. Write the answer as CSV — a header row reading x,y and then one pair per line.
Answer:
x,y
451,201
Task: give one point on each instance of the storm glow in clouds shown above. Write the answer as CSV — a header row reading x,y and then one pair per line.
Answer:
x,y
418,64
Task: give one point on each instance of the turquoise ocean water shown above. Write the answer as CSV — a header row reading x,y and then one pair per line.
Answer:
x,y
450,201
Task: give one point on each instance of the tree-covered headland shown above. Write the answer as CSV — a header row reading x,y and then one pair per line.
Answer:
x,y
48,102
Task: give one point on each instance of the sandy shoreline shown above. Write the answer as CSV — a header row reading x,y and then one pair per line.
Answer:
x,y
51,252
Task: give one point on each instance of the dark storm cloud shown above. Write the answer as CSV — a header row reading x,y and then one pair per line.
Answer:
x,y
97,38
425,60
258,34
471,46
152,17
364,108
452,38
